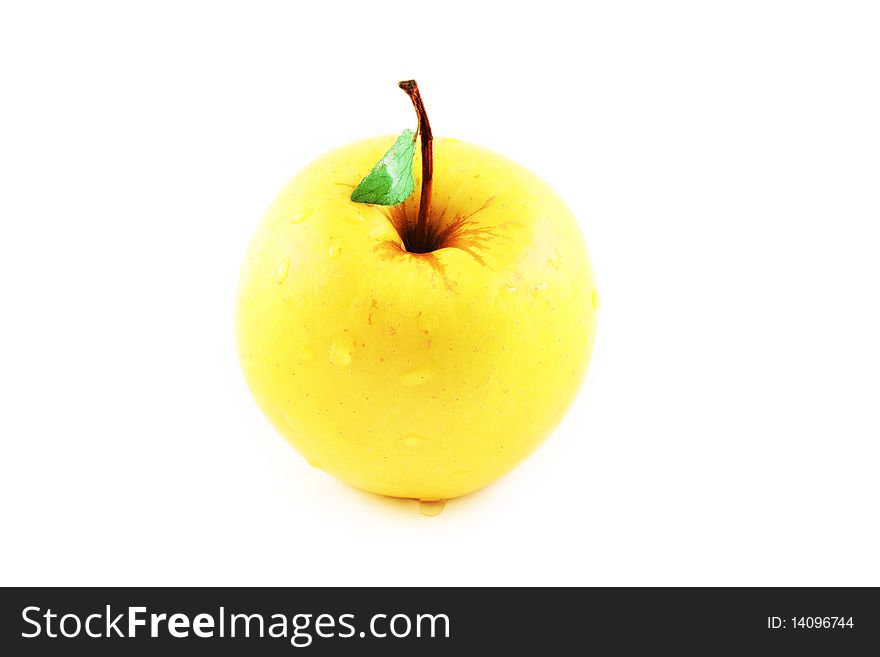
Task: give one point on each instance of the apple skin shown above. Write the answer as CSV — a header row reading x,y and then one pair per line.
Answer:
x,y
415,375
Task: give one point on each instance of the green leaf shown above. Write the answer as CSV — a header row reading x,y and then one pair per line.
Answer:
x,y
391,180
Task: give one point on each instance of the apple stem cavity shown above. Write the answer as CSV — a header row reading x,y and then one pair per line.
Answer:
x,y
420,243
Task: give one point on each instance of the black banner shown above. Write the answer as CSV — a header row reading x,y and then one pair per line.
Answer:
x,y
428,621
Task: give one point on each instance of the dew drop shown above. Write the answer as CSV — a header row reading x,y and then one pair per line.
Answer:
x,y
512,289
340,352
299,217
281,272
426,322
306,354
431,508
414,441
595,299
381,229
418,375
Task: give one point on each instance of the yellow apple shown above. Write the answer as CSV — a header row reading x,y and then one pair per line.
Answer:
x,y
418,375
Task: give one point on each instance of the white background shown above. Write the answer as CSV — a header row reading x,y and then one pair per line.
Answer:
x,y
723,160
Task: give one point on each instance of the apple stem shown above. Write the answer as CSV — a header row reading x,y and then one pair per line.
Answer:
x,y
424,130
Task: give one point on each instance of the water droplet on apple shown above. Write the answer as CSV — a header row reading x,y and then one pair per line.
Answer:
x,y
333,248
306,354
381,228
431,507
281,272
595,299
340,352
418,375
427,322
414,441
512,289
299,217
